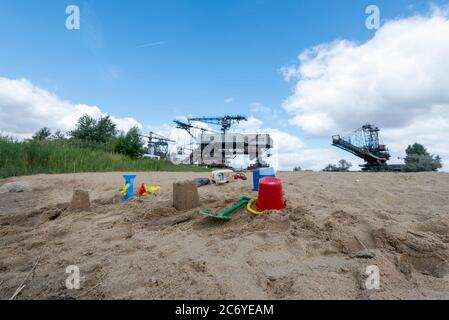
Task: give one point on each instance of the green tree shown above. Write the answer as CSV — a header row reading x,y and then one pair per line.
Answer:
x,y
106,130
416,149
343,166
297,168
58,135
85,129
331,168
419,160
130,144
42,134
90,130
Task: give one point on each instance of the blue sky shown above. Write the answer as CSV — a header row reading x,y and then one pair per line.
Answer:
x,y
214,50
203,52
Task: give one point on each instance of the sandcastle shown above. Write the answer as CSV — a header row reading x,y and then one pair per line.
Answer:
x,y
80,201
185,195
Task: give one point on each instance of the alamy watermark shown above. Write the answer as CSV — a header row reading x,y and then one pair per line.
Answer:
x,y
372,282
373,20
73,21
73,280
215,149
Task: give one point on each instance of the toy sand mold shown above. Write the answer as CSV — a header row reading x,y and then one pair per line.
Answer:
x,y
226,214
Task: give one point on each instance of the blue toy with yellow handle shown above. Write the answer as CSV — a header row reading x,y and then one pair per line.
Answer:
x,y
128,189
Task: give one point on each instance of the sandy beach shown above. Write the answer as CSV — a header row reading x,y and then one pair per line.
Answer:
x,y
336,225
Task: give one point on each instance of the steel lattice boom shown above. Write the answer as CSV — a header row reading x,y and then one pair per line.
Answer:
x,y
157,145
364,143
225,122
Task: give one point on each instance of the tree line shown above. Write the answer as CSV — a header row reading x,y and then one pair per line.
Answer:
x,y
98,134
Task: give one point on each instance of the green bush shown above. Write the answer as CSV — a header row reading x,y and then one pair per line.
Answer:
x,y
419,160
343,166
130,144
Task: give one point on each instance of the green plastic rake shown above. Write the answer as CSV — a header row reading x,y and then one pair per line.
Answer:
x,y
226,214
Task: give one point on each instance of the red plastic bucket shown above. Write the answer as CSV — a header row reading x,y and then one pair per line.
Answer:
x,y
271,196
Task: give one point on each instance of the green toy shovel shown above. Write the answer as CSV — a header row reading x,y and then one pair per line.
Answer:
x,y
225,215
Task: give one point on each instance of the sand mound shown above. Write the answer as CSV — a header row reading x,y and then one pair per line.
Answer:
x,y
80,201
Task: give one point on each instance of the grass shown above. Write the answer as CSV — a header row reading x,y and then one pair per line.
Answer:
x,y
35,157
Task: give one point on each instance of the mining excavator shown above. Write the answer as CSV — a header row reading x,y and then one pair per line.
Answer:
x,y
364,143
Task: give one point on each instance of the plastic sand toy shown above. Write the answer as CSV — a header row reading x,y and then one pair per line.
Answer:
x,y
222,176
128,189
240,176
249,207
145,191
271,196
225,215
259,174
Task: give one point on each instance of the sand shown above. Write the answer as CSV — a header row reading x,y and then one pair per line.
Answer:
x,y
336,225
185,195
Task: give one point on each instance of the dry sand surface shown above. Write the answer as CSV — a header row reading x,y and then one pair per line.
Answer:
x,y
149,250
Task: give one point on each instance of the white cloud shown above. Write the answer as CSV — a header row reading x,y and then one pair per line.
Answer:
x,y
151,44
314,159
252,125
257,107
124,124
289,72
229,100
430,130
272,115
25,108
396,80
289,150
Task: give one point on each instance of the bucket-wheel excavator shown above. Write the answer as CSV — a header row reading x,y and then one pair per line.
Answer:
x,y
364,143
